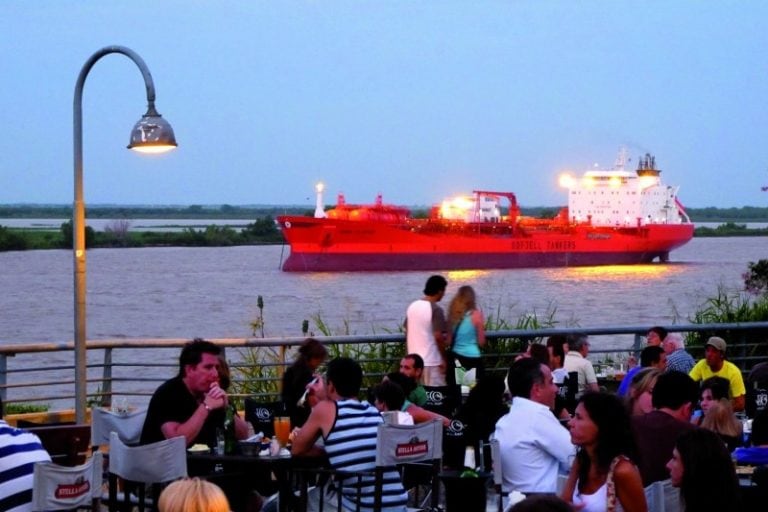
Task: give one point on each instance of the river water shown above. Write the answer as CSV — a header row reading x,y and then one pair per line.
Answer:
x,y
212,293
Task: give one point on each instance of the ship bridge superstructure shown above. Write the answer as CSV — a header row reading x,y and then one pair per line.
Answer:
x,y
618,197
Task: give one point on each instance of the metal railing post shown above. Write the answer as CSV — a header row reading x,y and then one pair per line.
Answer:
x,y
3,376
106,397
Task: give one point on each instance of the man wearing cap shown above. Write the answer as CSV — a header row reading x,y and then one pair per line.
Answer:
x,y
715,365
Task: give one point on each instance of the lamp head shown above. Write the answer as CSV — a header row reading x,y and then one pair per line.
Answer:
x,y
152,134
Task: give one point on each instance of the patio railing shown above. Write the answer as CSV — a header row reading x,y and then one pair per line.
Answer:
x,y
44,372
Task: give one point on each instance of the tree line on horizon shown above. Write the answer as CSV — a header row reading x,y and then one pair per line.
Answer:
x,y
226,211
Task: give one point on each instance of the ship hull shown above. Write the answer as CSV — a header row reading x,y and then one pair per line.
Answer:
x,y
341,245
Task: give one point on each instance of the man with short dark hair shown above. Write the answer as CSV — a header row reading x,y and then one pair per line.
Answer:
x,y
655,336
192,404
412,366
349,428
426,331
652,356
674,396
715,365
19,450
534,445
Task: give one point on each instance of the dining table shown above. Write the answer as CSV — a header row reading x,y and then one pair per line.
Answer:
x,y
238,473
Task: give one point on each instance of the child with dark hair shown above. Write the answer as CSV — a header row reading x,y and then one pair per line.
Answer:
x,y
420,415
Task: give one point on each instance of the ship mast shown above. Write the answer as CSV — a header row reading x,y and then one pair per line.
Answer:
x,y
319,211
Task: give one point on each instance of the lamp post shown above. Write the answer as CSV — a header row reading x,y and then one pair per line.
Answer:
x,y
151,134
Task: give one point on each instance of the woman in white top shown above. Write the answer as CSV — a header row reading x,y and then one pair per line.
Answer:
x,y
602,476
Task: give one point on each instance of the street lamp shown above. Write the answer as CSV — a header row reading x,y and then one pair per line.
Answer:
x,y
151,134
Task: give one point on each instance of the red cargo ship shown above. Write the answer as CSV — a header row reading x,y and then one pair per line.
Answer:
x,y
614,217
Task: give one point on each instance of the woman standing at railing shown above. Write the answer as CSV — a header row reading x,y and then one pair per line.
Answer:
x,y
467,334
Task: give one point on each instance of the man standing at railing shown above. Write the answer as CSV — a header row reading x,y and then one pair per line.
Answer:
x,y
19,450
192,404
426,331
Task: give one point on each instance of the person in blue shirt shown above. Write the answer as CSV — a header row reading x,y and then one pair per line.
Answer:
x,y
757,454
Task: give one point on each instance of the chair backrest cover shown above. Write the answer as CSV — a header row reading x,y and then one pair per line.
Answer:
x,y
66,444
261,414
756,400
442,399
455,442
59,487
128,425
163,461
402,444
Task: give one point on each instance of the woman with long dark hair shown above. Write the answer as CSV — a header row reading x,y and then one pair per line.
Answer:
x,y
702,468
603,474
311,355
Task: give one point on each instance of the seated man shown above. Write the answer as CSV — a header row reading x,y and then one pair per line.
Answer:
x,y
652,356
412,366
192,404
534,445
349,428
19,450
576,361
656,432
715,365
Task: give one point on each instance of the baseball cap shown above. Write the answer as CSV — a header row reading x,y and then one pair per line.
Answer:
x,y
717,342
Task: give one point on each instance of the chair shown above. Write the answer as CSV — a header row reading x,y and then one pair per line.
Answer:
x,y
662,497
261,415
455,442
498,479
442,399
404,445
127,425
566,392
67,445
154,464
57,487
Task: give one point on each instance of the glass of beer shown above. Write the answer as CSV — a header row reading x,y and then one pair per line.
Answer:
x,y
282,425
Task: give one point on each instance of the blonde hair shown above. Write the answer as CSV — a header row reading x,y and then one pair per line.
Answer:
x,y
721,420
463,301
193,495
642,381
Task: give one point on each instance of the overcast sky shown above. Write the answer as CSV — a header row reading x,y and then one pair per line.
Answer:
x,y
417,100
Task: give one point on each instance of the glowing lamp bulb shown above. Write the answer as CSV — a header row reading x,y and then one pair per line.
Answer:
x,y
566,181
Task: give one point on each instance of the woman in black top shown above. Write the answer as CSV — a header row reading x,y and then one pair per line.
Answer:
x,y
312,353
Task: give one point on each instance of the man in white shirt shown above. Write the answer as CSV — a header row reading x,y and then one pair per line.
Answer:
x,y
426,331
576,361
535,447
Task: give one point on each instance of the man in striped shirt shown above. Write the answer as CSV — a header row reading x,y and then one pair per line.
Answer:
x,y
19,450
349,428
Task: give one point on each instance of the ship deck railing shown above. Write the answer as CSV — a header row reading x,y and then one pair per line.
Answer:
x,y
133,368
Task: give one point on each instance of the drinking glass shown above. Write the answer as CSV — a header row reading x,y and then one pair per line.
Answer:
x,y
282,426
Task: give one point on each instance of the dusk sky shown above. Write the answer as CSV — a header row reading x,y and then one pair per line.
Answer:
x,y
416,100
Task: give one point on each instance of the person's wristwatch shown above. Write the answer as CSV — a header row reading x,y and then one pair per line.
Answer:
x,y
207,407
